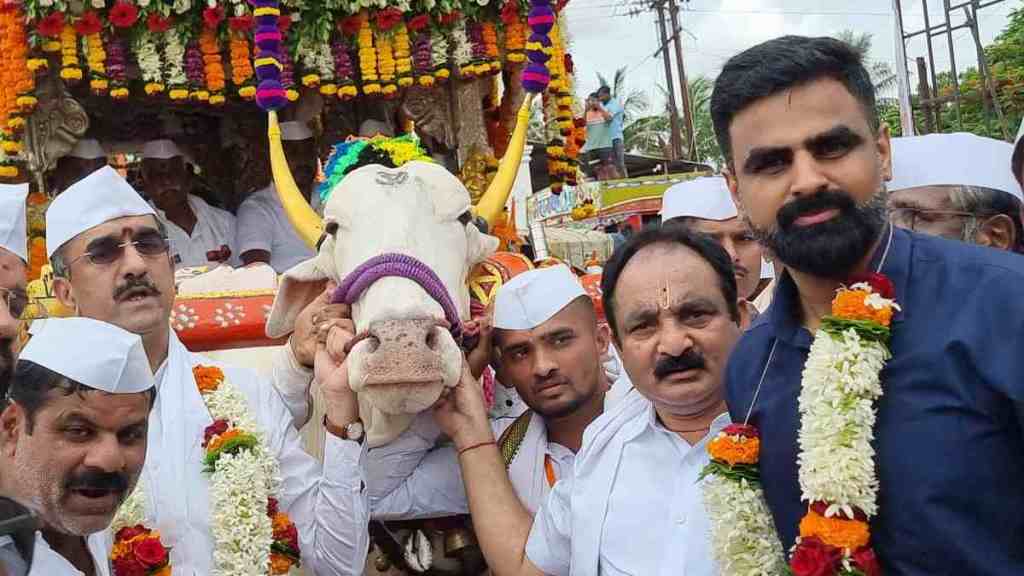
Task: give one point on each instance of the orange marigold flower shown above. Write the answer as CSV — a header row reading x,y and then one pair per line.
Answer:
x,y
218,442
208,378
165,571
835,531
851,305
281,521
732,451
279,563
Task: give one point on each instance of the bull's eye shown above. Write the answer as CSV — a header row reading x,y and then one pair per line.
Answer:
x,y
331,228
465,218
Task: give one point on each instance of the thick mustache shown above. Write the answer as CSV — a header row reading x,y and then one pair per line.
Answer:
x,y
135,284
689,360
540,384
97,480
829,199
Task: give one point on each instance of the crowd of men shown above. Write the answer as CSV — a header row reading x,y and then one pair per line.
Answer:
x,y
594,476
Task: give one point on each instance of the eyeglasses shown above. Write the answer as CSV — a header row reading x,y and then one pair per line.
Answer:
x,y
15,299
107,250
909,218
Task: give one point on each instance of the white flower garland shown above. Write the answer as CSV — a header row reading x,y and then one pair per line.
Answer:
x,y
149,58
174,56
463,52
742,533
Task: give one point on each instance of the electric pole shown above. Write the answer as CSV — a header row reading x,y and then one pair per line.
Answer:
x,y
673,111
673,11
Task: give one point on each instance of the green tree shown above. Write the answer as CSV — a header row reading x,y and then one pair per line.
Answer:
x,y
652,134
881,73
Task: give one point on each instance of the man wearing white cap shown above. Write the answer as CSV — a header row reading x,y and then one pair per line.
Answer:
x,y
199,233
264,232
13,267
705,205
632,503
958,186
85,158
111,262
73,439
548,346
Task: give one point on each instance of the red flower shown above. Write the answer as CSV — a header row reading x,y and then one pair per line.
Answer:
x,y
129,532
866,560
150,553
128,565
510,13
123,15
879,282
350,25
88,24
388,18
240,23
568,63
216,429
815,558
745,430
212,17
419,22
157,23
284,22
272,507
450,17
51,25
288,536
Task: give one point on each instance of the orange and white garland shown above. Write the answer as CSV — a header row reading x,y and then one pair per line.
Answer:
x,y
251,535
840,387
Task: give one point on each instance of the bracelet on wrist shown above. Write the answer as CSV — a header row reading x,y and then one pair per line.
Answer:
x,y
477,445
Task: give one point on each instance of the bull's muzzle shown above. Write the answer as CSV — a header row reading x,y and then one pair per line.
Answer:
x,y
404,352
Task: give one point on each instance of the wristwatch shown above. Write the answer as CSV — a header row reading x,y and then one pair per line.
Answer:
x,y
353,431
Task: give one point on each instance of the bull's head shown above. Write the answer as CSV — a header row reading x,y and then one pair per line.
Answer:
x,y
400,242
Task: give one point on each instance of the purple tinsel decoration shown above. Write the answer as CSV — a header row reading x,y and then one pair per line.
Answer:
x,y
422,55
343,68
539,56
536,78
194,69
117,60
287,70
541,17
475,32
270,94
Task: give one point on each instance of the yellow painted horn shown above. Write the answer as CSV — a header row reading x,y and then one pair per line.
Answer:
x,y
307,224
493,201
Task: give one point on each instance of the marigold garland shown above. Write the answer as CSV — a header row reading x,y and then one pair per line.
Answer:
x,y
386,63
95,55
70,71
403,56
241,64
212,65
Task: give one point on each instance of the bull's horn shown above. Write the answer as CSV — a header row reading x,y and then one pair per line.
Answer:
x,y
493,201
307,224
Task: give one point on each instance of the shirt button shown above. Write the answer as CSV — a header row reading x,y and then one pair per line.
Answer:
x,y
681,519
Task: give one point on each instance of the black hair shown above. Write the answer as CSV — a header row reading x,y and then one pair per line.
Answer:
x,y
59,262
1017,161
783,63
603,88
33,383
711,251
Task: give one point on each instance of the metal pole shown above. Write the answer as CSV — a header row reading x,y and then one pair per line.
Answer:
x,y
952,66
684,86
990,85
669,85
924,93
903,75
931,62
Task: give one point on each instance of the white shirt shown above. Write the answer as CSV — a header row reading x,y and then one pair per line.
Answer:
x,y
263,225
47,562
214,229
403,486
327,503
633,504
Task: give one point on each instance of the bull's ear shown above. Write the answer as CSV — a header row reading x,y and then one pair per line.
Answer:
x,y
479,245
300,285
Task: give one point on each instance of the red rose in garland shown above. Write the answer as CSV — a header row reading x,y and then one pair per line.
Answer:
x,y
157,23
129,566
129,532
240,23
272,507
814,558
212,17
350,25
216,429
419,22
150,553
88,24
51,25
879,282
867,562
510,12
123,15
388,18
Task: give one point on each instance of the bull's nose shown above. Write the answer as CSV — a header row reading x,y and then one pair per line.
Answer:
x,y
410,336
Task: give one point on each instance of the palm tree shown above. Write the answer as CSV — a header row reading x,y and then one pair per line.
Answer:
x,y
652,134
634,102
881,73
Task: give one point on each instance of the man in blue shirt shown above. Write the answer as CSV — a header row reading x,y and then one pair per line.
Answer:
x,y
807,166
614,108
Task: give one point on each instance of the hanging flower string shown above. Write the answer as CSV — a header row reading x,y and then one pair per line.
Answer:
x,y
89,26
194,72
489,34
287,64
515,32
242,72
212,65
343,69
439,46
422,53
117,67
403,56
462,51
70,71
270,94
538,48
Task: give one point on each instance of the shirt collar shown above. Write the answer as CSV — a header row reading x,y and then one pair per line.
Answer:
x,y
717,425
783,315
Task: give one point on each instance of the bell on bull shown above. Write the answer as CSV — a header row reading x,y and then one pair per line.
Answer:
x,y
400,243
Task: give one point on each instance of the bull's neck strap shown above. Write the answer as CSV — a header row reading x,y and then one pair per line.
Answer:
x,y
401,266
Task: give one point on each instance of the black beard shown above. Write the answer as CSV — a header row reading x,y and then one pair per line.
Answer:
x,y
830,249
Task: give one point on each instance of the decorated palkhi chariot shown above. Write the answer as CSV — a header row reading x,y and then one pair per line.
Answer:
x,y
455,79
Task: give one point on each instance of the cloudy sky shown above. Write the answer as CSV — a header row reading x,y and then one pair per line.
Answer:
x,y
604,36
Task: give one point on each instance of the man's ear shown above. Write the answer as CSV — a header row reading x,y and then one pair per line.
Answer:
x,y
604,337
884,144
10,427
734,188
997,231
64,292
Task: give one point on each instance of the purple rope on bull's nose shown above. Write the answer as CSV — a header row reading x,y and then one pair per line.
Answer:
x,y
402,266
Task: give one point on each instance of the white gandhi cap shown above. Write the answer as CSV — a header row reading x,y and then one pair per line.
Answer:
x,y
99,197
88,149
532,298
162,149
706,198
13,234
953,160
295,131
90,352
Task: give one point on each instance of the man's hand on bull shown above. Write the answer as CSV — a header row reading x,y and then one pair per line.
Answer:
x,y
461,412
331,372
480,356
313,324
